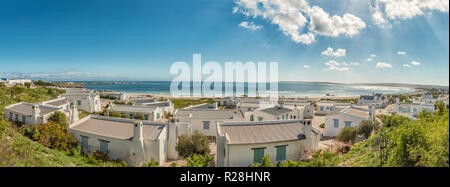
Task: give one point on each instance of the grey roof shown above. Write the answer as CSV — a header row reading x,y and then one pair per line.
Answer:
x,y
130,108
143,101
203,106
26,109
207,114
276,110
367,97
262,132
160,104
58,102
117,129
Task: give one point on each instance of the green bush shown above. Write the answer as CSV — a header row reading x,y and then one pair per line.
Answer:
x,y
265,162
152,163
58,118
139,116
366,128
322,125
199,161
197,144
124,115
114,114
55,136
3,126
347,134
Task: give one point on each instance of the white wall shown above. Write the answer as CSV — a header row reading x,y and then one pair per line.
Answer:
x,y
331,131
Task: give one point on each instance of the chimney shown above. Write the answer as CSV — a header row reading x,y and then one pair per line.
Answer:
x,y
215,105
137,131
36,111
74,114
189,104
372,112
307,129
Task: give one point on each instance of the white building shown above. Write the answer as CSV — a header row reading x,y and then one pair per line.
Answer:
x,y
277,112
350,117
164,106
411,110
13,82
34,114
152,113
240,144
86,100
203,117
118,95
135,142
143,101
376,100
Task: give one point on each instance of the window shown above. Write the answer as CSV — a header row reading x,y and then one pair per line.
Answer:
x,y
10,115
17,117
146,117
79,102
331,109
258,154
157,115
282,117
205,125
104,146
96,101
24,119
164,147
84,143
321,108
260,118
336,123
348,123
281,153
251,117
67,107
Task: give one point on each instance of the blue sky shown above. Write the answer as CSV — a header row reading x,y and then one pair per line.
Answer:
x,y
140,39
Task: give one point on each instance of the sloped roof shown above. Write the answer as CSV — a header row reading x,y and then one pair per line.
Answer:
x,y
58,102
262,132
130,108
276,110
357,112
27,108
207,114
118,129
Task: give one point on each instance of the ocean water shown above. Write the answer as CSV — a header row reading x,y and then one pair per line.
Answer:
x,y
286,89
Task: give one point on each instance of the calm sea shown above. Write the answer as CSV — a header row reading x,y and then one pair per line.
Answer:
x,y
287,89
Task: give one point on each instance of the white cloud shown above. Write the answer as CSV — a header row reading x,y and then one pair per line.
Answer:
x,y
383,65
306,66
336,66
401,52
354,64
250,26
369,60
290,17
407,65
330,52
405,9
415,63
373,55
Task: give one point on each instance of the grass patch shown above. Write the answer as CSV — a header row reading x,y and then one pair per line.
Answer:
x,y
182,103
82,114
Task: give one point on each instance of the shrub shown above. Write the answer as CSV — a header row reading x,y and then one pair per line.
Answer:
x,y
197,144
28,84
124,115
322,125
139,116
152,163
114,114
366,128
199,161
98,155
265,162
58,118
30,132
3,126
54,136
347,134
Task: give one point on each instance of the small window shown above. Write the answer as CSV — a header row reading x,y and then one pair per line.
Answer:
x,y
146,117
258,154
251,117
157,115
79,102
10,115
348,123
17,117
336,123
24,119
67,107
84,143
321,108
260,118
281,153
104,146
206,125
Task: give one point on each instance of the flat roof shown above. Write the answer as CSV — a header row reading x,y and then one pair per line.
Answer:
x,y
131,108
58,102
27,108
357,112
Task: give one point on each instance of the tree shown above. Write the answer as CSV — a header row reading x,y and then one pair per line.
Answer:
x,y
347,134
366,127
55,136
58,118
199,161
139,116
196,144
28,84
393,120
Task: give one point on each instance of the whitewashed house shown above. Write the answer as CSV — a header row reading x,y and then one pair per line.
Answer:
x,y
86,100
277,112
164,106
34,114
151,113
13,82
203,117
143,101
350,117
411,110
118,95
240,144
135,142
376,99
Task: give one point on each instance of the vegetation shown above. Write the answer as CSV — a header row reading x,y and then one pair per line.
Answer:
x,y
82,114
182,103
58,118
196,144
322,125
366,128
103,96
348,135
199,161
152,163
139,116
114,114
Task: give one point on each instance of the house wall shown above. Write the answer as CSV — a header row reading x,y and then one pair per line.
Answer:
x,y
331,131
88,104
